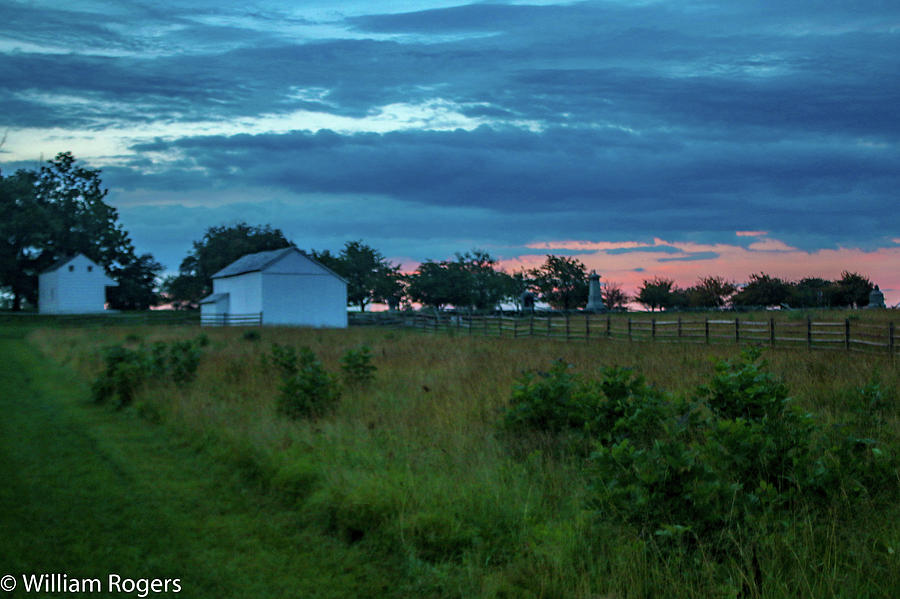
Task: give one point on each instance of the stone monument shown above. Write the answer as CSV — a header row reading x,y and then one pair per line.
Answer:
x,y
876,298
595,294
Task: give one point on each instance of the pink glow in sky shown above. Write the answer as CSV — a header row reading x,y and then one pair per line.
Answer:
x,y
734,262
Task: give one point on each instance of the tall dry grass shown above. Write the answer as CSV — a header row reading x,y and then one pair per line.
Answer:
x,y
412,465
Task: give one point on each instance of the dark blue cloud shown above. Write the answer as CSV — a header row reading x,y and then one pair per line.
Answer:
x,y
613,181
691,119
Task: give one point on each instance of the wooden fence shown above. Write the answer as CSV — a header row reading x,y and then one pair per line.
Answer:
x,y
232,320
843,335
158,317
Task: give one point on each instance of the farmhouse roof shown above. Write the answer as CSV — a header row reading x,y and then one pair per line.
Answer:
x,y
260,261
60,263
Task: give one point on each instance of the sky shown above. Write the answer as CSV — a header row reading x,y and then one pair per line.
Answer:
x,y
646,138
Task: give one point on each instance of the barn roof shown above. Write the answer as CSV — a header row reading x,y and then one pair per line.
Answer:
x,y
252,262
262,260
211,299
60,263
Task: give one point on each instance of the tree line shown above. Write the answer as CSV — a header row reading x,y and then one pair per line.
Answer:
x,y
59,210
474,280
851,290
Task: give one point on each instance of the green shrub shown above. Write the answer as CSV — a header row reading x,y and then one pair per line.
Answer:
x,y
125,370
307,390
283,358
619,405
741,458
735,458
357,367
251,336
184,358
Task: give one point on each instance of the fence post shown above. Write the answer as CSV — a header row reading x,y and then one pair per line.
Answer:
x,y
809,332
706,322
608,325
587,327
772,331
515,328
737,330
549,317
531,325
629,328
847,334
500,324
653,328
567,326
470,322
891,338
485,325
679,327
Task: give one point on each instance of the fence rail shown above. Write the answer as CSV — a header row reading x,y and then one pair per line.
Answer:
x,y
232,320
159,317
845,334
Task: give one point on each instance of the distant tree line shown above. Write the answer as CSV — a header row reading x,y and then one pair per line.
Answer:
x,y
59,211
851,290
473,280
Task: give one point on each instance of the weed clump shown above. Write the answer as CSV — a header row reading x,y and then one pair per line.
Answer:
x,y
126,370
357,367
307,389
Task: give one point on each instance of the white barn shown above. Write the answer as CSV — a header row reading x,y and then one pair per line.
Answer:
x,y
74,285
285,286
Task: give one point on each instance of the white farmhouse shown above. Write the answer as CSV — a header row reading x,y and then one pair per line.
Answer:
x,y
74,285
286,286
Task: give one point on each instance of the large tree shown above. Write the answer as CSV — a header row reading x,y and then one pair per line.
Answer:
x,y
439,284
60,211
22,233
710,292
762,290
561,282
219,247
656,293
487,286
370,277
614,297
852,289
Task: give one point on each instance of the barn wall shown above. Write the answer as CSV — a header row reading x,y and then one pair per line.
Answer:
x,y
318,300
48,293
245,292
75,292
217,308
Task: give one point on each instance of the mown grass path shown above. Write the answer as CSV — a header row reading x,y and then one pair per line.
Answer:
x,y
88,492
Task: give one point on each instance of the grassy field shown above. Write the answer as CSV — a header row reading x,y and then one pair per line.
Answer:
x,y
408,488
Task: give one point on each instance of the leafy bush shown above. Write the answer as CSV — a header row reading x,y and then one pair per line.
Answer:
x,y
184,357
617,406
746,460
283,358
357,366
126,370
736,456
307,389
